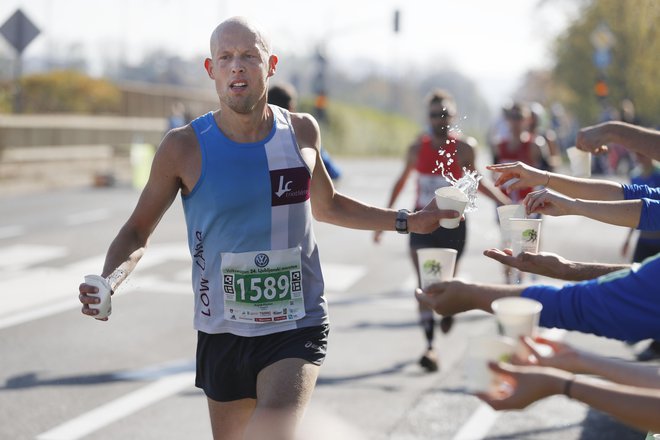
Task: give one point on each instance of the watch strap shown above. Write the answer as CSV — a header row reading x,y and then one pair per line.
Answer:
x,y
401,223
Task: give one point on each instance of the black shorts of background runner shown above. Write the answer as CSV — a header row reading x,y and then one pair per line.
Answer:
x,y
228,365
442,238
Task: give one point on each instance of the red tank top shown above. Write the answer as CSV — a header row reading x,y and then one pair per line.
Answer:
x,y
432,165
522,154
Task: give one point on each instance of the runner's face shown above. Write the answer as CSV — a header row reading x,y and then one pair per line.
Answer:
x,y
240,68
439,118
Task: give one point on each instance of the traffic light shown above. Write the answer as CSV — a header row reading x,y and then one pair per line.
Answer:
x,y
397,20
601,89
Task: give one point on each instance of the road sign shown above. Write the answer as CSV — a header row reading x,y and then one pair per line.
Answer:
x,y
602,37
19,31
602,58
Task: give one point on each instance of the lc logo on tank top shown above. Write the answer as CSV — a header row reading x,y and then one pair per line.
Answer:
x,y
289,186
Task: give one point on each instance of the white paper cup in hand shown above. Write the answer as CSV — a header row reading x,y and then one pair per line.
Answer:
x,y
480,351
105,305
450,197
435,264
580,162
517,317
504,214
525,234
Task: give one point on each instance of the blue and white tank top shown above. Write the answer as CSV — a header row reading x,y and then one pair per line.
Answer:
x,y
255,262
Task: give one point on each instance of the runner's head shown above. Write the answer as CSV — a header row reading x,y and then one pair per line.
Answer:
x,y
442,109
240,64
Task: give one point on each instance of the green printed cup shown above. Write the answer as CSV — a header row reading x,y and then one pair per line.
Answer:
x,y
435,264
525,235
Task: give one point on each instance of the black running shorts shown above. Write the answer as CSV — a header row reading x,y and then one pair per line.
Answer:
x,y
228,365
441,238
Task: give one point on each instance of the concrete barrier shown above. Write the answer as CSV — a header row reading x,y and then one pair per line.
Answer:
x,y
54,151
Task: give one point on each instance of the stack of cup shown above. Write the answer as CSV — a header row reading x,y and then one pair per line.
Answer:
x,y
580,162
525,234
505,213
480,351
517,317
435,265
450,197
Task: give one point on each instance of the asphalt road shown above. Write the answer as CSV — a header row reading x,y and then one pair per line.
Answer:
x,y
65,376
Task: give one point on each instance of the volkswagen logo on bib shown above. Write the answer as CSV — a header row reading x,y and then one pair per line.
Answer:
x,y
261,260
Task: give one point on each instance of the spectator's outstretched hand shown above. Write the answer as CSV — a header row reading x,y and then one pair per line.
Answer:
x,y
523,385
545,201
517,175
562,356
446,297
543,263
593,139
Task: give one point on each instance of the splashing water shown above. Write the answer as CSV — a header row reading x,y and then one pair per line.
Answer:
x,y
469,184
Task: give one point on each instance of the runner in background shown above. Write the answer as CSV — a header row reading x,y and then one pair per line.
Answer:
x,y
437,153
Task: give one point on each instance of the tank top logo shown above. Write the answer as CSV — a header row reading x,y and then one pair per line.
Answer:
x,y
261,260
289,186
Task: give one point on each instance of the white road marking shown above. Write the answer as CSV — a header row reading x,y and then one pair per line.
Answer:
x,y
32,293
119,408
11,231
21,256
478,424
340,277
482,420
80,218
37,313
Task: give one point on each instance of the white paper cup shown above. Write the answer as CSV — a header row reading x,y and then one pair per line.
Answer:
x,y
525,234
450,197
105,306
517,317
504,214
480,351
580,162
435,264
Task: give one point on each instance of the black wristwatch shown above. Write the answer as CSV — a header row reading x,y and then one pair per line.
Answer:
x,y
401,224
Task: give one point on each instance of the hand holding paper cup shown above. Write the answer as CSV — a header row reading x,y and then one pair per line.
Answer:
x,y
435,264
104,306
480,351
450,197
517,317
580,162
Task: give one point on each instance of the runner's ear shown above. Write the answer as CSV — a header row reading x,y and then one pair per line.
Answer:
x,y
272,65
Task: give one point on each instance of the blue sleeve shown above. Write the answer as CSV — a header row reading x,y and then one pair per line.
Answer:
x,y
649,219
631,191
623,305
333,170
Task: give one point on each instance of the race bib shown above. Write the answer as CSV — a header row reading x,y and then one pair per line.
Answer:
x,y
263,287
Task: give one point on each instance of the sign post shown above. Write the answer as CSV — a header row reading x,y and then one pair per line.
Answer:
x,y
19,31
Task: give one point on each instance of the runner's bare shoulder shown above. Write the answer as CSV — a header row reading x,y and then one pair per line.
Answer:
x,y
306,129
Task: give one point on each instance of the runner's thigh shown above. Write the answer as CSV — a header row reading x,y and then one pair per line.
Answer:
x,y
229,419
286,383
